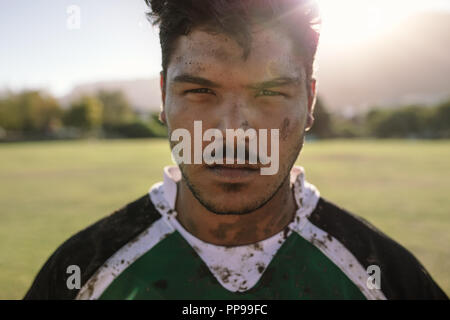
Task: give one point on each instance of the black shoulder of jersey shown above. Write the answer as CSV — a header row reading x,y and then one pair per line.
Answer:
x,y
402,275
90,248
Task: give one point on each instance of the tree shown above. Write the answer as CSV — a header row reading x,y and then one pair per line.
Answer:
x,y
116,109
29,111
409,121
85,114
323,125
11,117
441,120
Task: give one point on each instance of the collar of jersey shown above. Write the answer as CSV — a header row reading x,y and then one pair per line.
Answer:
x,y
237,268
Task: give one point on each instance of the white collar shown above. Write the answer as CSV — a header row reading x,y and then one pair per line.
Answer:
x,y
237,268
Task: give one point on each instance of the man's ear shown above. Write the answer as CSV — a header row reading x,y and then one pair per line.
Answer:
x,y
311,103
162,112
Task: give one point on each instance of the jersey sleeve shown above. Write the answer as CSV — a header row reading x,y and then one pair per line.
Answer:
x,y
402,275
90,248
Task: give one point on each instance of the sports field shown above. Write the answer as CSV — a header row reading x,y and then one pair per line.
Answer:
x,y
50,190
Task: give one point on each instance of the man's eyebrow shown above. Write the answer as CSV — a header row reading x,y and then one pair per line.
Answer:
x,y
277,82
187,78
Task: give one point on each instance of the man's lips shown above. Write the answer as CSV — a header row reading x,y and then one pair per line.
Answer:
x,y
245,166
234,172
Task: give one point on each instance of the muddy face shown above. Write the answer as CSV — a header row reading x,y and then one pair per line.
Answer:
x,y
209,80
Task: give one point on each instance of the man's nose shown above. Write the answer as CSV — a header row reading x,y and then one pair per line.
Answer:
x,y
233,115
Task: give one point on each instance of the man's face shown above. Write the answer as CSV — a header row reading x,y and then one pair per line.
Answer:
x,y
208,80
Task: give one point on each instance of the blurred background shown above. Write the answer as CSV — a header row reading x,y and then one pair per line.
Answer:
x,y
80,136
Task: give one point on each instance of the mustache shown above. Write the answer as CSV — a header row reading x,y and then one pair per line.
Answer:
x,y
241,153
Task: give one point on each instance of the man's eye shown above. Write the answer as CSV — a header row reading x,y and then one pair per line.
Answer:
x,y
200,90
266,92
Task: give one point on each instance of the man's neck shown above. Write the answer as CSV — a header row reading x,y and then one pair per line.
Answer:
x,y
233,230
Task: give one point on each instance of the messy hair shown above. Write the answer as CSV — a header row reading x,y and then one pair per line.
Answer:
x,y
175,18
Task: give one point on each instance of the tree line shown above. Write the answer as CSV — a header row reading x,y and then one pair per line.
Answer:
x,y
32,114
404,122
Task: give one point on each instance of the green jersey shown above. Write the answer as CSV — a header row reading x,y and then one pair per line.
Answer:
x,y
143,252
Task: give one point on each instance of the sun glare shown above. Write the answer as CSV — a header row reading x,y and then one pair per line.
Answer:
x,y
352,22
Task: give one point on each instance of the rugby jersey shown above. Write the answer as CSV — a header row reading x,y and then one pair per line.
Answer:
x,y
141,251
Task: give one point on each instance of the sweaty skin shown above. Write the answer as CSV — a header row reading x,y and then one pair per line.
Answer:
x,y
209,79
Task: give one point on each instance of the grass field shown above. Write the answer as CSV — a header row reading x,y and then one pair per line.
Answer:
x,y
50,190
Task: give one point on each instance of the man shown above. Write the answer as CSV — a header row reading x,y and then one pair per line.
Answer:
x,y
222,229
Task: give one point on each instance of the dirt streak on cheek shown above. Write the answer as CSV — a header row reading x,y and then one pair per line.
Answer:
x,y
284,131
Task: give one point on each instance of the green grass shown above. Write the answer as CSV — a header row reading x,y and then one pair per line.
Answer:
x,y
50,190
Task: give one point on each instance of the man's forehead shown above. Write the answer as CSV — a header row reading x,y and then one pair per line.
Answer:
x,y
271,55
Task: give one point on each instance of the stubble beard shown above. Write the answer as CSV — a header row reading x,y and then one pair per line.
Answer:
x,y
233,189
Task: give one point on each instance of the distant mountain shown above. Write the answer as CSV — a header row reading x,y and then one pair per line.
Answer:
x,y
410,64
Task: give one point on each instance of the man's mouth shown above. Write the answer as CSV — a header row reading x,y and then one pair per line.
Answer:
x,y
234,172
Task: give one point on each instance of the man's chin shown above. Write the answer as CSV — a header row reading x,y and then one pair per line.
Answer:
x,y
233,199
224,208
225,198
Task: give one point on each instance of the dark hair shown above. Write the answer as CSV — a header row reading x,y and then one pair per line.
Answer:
x,y
175,18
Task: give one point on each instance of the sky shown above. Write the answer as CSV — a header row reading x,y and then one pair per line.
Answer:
x,y
43,45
